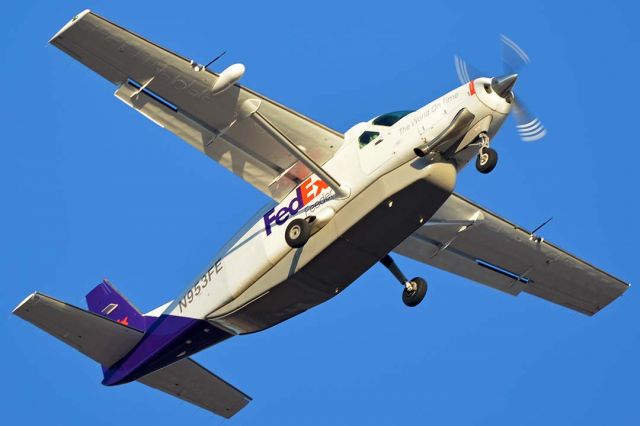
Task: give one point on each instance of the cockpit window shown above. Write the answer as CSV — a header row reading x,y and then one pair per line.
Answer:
x,y
390,119
367,137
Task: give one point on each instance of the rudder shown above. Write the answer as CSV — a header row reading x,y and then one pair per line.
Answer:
x,y
105,300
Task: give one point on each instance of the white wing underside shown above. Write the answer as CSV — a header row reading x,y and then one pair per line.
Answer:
x,y
468,240
179,98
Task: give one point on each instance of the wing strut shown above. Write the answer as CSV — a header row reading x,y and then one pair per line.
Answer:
x,y
250,108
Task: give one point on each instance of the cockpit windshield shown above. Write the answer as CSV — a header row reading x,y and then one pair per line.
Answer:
x,y
390,119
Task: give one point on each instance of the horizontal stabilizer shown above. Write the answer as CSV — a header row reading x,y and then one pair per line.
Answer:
x,y
193,383
99,338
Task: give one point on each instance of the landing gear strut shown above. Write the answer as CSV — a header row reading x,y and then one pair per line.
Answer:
x,y
414,290
487,158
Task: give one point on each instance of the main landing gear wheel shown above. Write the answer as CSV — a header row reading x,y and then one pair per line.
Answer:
x,y
486,160
297,233
414,292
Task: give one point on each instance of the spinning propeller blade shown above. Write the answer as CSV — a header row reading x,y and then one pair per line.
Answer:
x,y
529,126
514,58
464,71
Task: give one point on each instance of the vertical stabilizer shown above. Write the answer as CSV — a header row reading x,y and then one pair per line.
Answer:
x,y
107,301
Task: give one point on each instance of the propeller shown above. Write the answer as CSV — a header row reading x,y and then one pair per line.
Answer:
x,y
514,58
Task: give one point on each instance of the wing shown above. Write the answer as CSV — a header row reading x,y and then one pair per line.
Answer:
x,y
468,240
193,383
178,94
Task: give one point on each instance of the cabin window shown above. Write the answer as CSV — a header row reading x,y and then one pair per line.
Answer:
x,y
390,119
367,137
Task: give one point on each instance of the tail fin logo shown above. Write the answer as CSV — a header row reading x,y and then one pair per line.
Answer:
x,y
109,308
124,321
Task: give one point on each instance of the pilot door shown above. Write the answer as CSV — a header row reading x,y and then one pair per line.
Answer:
x,y
375,147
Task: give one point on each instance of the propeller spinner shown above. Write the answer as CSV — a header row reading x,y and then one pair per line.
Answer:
x,y
514,58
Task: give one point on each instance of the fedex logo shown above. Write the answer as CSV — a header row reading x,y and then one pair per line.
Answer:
x,y
305,193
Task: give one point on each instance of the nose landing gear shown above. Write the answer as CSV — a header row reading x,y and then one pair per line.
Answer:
x,y
414,290
487,158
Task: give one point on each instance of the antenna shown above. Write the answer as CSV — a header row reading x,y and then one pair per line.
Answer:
x,y
533,236
215,59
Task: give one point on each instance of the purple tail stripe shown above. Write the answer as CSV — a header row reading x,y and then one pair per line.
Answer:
x,y
166,339
169,339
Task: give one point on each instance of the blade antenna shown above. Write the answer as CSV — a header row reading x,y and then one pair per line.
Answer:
x,y
534,237
215,59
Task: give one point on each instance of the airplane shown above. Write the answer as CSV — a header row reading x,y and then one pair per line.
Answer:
x,y
341,203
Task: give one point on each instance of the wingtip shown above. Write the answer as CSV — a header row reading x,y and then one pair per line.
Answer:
x,y
69,24
25,301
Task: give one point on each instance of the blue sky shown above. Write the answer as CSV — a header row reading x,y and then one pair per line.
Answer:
x,y
92,190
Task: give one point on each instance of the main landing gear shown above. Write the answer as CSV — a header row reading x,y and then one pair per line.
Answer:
x,y
414,290
487,158
298,232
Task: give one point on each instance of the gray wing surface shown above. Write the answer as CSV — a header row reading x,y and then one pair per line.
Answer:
x,y
97,337
193,383
468,240
176,94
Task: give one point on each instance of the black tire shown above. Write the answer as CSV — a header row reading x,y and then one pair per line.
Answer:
x,y
414,298
486,162
297,233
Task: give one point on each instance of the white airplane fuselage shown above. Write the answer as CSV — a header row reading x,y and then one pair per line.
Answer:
x,y
260,245
387,179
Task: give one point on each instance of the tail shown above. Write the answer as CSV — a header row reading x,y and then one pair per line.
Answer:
x,y
112,329
105,300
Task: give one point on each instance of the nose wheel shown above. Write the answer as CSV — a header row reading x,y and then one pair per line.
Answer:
x,y
414,290
487,158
